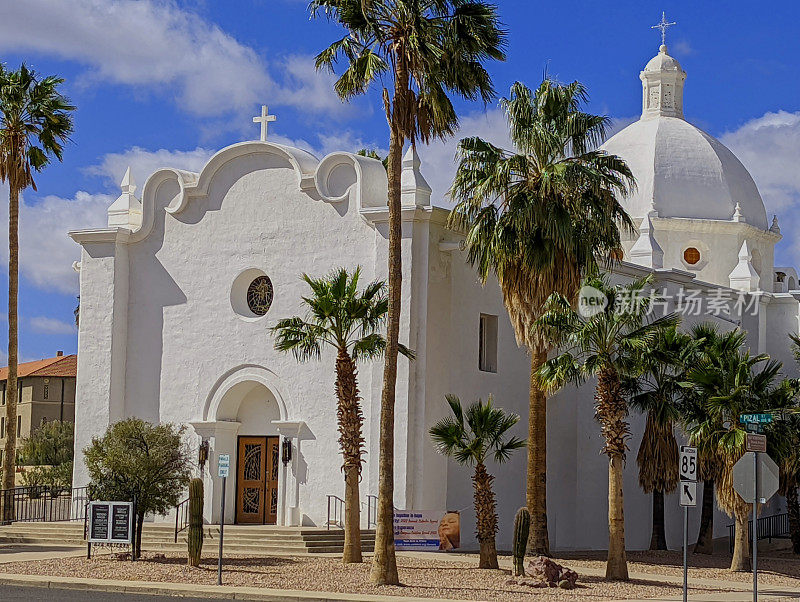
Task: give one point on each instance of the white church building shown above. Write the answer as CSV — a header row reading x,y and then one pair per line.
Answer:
x,y
179,291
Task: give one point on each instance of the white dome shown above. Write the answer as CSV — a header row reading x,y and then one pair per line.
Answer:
x,y
680,170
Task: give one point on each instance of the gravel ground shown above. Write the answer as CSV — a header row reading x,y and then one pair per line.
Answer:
x,y
773,569
421,577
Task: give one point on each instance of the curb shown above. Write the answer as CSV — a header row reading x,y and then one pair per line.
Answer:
x,y
183,590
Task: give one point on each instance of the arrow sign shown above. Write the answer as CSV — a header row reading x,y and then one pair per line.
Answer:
x,y
688,493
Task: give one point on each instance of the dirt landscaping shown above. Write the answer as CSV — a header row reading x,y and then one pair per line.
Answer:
x,y
422,577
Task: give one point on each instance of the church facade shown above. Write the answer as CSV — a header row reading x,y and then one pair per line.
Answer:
x,y
179,291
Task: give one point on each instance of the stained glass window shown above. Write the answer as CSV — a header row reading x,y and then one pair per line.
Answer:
x,y
259,295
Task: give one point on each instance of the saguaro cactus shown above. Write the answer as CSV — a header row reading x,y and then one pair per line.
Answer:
x,y
195,538
522,524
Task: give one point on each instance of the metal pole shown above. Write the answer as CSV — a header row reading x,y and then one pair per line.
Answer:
x,y
755,527
221,532
685,554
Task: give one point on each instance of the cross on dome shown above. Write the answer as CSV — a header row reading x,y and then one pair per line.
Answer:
x,y
663,26
264,120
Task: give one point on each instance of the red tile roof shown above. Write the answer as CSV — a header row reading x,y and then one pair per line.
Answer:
x,y
62,365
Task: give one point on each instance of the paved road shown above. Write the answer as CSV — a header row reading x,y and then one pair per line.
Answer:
x,y
42,594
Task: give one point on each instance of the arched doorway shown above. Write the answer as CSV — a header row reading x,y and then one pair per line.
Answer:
x,y
257,451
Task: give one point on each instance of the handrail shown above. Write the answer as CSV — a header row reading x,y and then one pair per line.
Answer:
x,y
768,527
41,503
372,510
181,517
337,504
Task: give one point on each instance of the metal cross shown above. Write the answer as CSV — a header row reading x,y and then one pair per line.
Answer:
x,y
264,120
663,26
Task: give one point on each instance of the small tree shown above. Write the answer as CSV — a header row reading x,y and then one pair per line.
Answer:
x,y
49,451
469,439
136,461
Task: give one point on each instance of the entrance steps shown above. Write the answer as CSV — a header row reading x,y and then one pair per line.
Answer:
x,y
238,539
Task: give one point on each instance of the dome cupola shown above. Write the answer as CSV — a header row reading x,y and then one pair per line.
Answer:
x,y
662,86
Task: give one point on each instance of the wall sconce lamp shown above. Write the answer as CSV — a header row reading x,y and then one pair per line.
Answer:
x,y
286,455
202,454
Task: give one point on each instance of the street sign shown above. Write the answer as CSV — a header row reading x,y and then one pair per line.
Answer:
x,y
688,463
756,418
756,443
688,493
223,465
744,478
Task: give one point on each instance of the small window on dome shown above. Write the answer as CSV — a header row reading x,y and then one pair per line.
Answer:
x,y
691,255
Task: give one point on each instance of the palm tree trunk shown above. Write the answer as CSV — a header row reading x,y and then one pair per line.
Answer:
x,y
351,442
793,509
741,556
384,563
658,539
485,516
9,455
536,483
705,536
611,413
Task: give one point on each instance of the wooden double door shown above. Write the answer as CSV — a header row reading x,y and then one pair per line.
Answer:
x,y
257,462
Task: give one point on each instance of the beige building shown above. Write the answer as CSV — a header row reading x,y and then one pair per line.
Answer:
x,y
46,393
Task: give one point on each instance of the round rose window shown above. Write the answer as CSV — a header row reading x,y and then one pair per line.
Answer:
x,y
259,295
691,256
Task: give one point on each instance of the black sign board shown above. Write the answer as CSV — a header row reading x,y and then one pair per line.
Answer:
x,y
110,522
98,527
121,523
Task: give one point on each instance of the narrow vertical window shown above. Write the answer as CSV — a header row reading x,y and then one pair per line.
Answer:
x,y
2,427
46,392
19,425
487,350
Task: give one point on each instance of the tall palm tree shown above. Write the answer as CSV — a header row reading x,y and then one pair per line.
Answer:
x,y
733,384
35,123
656,392
539,218
420,51
348,320
606,345
790,461
470,438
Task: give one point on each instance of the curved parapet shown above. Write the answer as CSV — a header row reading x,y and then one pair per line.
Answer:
x,y
341,176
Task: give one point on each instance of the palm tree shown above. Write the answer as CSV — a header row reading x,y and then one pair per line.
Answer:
x,y
790,461
35,123
348,320
470,438
606,345
708,346
732,384
656,392
539,218
425,50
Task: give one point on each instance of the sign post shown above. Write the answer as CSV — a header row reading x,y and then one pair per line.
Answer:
x,y
223,466
688,470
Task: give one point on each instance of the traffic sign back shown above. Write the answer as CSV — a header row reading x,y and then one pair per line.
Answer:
x,y
767,477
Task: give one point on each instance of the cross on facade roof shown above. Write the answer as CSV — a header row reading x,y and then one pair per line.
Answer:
x,y
264,120
663,26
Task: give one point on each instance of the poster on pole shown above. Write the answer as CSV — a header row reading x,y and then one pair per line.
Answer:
x,y
427,530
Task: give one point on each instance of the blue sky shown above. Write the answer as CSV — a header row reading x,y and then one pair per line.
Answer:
x,y
167,83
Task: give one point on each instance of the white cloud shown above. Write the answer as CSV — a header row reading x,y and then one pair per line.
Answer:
x,y
46,252
45,325
144,162
155,46
769,146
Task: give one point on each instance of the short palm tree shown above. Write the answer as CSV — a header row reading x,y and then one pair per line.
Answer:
x,y
346,319
470,438
540,218
606,345
732,384
419,51
656,392
35,123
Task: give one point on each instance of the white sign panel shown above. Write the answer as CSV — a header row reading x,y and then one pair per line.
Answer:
x,y
688,463
689,493
427,530
110,522
224,465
